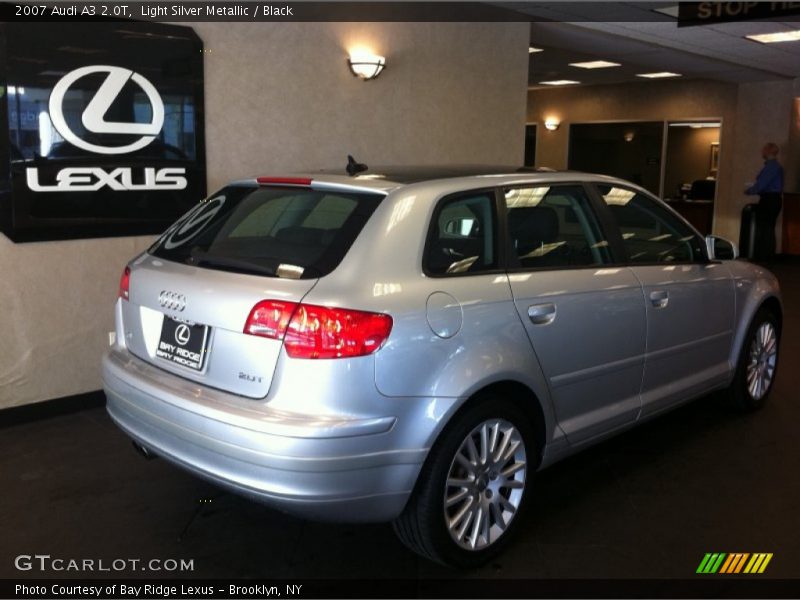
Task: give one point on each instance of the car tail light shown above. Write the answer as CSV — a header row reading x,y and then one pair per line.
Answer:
x,y
310,331
125,284
269,318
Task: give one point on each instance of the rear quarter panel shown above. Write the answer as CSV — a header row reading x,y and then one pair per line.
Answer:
x,y
383,273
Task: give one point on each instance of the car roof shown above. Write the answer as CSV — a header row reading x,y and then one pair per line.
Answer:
x,y
388,178
406,174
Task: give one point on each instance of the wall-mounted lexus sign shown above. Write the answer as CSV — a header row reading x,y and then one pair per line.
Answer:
x,y
104,129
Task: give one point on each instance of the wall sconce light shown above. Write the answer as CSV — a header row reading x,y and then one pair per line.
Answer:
x,y
551,123
628,136
366,66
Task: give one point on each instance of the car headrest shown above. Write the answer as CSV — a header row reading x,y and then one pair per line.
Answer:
x,y
533,224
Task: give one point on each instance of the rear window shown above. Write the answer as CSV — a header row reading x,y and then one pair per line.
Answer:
x,y
280,232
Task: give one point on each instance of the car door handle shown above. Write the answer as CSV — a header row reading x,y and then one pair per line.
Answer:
x,y
659,298
542,314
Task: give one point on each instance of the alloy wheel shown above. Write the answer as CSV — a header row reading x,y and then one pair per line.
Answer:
x,y
762,358
485,484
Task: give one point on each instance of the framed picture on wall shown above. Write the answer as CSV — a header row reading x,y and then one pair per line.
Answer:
x,y
714,166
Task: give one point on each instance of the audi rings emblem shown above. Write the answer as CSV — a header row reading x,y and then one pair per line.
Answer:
x,y
172,300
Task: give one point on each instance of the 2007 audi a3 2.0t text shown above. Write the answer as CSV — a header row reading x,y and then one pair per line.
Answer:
x,y
411,345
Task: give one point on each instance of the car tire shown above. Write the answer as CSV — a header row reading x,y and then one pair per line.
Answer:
x,y
479,470
758,363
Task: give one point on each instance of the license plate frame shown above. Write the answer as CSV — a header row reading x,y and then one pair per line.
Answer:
x,y
183,344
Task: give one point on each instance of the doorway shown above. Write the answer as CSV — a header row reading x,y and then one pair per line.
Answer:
x,y
628,150
530,145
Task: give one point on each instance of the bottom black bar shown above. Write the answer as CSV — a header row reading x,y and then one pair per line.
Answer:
x,y
706,586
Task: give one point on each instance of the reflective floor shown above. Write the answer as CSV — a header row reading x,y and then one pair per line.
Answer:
x,y
649,503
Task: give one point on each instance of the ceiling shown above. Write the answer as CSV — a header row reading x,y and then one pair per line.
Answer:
x,y
644,40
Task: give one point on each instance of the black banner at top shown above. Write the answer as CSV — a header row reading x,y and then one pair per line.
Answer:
x,y
165,11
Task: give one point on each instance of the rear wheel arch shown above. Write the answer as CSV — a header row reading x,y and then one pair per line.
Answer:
x,y
422,526
522,396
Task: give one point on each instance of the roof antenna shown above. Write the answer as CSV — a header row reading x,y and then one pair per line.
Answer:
x,y
354,168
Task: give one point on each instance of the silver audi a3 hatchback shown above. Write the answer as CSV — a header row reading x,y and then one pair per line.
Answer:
x,y
412,345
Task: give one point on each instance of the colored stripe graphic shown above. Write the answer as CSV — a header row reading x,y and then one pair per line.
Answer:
x,y
733,563
711,562
758,563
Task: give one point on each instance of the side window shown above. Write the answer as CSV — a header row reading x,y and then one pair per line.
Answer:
x,y
463,236
554,226
650,232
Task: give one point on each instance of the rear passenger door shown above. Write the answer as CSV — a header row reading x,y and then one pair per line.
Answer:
x,y
689,300
584,315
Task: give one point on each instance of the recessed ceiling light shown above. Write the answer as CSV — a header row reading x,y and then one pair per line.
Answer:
x,y
559,82
594,64
771,38
532,50
658,75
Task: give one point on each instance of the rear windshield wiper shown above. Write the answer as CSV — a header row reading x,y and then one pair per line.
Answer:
x,y
245,266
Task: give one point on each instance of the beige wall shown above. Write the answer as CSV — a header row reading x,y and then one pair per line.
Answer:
x,y
278,97
751,114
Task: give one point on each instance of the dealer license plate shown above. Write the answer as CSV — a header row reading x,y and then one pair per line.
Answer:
x,y
183,344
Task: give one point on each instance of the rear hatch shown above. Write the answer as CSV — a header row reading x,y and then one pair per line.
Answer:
x,y
191,294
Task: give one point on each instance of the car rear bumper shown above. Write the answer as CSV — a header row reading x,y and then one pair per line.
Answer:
x,y
327,467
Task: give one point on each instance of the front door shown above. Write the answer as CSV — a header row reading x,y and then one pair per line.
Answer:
x,y
585,317
689,300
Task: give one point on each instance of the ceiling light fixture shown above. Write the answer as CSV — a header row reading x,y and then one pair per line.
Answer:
x,y
658,75
559,82
365,65
551,123
595,64
772,38
532,50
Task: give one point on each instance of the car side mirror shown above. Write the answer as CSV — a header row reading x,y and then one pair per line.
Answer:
x,y
721,249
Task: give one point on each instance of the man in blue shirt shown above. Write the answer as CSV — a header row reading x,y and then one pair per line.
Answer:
x,y
769,188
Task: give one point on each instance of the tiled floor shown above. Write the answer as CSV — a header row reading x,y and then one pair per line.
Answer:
x,y
648,504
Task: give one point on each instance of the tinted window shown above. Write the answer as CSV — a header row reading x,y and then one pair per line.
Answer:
x,y
650,232
463,236
554,226
285,232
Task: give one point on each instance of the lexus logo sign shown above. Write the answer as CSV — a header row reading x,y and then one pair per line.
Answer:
x,y
182,334
107,137
91,178
93,117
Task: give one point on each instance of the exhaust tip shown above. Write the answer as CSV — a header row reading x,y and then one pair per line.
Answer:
x,y
144,451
